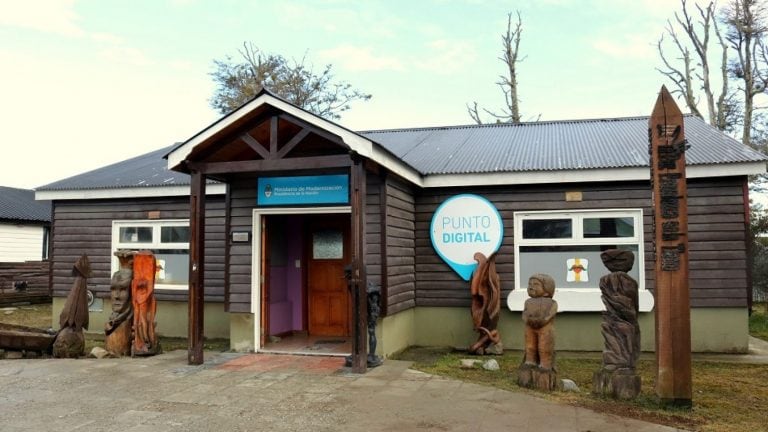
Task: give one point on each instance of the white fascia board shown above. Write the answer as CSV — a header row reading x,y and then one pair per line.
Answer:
x,y
390,162
583,176
135,192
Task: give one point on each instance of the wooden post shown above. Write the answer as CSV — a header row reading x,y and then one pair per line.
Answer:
x,y
196,268
359,278
670,225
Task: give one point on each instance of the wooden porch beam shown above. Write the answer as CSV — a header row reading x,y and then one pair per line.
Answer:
x,y
196,268
273,136
292,143
318,162
317,131
255,145
359,277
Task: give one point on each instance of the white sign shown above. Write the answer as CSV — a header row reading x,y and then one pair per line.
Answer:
x,y
463,225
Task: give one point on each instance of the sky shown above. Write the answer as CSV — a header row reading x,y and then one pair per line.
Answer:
x,y
86,83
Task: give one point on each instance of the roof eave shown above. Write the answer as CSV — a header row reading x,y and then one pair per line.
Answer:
x,y
586,175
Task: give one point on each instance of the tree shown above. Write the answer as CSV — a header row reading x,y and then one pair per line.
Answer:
x,y
742,60
295,81
695,72
508,82
758,256
746,35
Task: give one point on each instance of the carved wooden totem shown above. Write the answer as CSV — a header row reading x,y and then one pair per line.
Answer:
x,y
118,328
485,288
667,147
144,305
538,367
70,340
617,377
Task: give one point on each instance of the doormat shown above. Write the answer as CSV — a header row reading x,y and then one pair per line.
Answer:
x,y
329,341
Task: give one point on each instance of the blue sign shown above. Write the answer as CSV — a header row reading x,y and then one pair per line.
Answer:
x,y
463,225
323,189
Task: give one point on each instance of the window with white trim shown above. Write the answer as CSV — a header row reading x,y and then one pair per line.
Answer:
x,y
567,245
167,239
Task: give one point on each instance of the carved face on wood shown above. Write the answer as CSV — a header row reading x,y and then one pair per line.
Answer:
x,y
618,260
541,285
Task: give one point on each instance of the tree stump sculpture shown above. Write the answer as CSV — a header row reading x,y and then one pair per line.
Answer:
x,y
145,341
617,377
538,367
118,328
485,288
70,340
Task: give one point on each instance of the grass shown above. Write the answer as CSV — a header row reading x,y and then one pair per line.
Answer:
x,y
758,321
726,396
38,315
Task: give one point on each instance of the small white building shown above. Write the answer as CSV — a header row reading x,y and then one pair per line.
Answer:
x,y
24,226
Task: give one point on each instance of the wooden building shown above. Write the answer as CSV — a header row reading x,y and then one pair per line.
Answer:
x,y
24,232
256,217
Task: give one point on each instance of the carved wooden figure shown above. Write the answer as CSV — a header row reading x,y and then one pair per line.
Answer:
x,y
485,288
144,305
538,367
70,340
118,328
617,377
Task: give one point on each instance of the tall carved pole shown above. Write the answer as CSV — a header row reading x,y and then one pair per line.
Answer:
x,y
670,225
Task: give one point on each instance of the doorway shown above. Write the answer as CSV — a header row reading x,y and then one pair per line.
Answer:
x,y
300,299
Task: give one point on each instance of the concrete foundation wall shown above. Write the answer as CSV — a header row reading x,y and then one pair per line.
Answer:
x,y
241,335
712,330
172,318
396,333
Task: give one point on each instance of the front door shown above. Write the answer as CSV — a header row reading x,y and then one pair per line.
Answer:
x,y
328,297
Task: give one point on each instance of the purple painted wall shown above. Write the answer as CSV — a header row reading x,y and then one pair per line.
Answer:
x,y
285,305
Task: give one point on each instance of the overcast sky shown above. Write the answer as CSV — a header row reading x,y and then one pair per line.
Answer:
x,y
85,83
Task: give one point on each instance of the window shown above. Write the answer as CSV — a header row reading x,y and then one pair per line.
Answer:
x,y
167,239
567,246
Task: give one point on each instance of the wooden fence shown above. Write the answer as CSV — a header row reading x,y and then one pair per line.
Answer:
x,y
24,282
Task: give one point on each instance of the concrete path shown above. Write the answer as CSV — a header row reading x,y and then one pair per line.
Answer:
x,y
247,392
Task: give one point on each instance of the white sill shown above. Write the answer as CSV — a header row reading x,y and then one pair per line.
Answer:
x,y
172,287
576,300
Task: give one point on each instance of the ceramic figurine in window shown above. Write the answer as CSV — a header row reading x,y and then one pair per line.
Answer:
x,y
70,340
118,328
145,340
617,377
538,367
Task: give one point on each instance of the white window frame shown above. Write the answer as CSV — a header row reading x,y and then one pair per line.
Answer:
x,y
156,225
585,299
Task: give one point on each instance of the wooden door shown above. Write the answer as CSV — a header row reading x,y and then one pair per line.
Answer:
x,y
328,297
264,282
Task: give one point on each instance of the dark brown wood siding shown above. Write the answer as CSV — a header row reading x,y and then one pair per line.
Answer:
x,y
243,201
85,227
718,269
373,265
401,241
33,275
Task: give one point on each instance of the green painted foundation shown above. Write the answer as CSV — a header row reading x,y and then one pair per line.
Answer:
x,y
172,318
712,330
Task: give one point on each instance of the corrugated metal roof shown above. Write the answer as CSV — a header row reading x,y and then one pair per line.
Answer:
x,y
20,205
550,146
539,146
149,169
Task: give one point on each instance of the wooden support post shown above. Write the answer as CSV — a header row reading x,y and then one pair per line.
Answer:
x,y
196,268
359,278
670,225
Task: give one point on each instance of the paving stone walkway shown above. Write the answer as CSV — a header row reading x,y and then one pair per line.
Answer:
x,y
260,392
